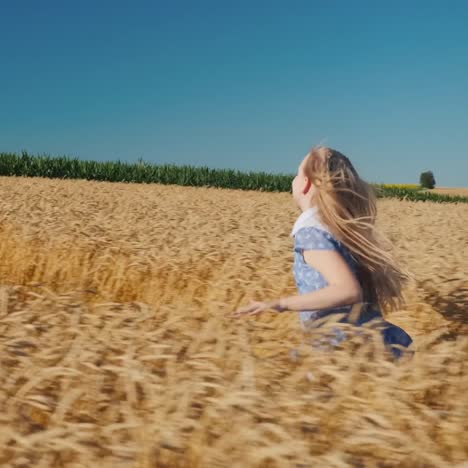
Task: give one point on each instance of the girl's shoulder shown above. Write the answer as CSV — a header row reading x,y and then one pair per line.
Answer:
x,y
315,238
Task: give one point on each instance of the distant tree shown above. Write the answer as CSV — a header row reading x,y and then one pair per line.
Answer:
x,y
427,180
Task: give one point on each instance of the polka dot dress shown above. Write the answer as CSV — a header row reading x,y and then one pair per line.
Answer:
x,y
309,279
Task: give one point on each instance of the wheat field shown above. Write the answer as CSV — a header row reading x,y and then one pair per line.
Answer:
x,y
463,192
117,349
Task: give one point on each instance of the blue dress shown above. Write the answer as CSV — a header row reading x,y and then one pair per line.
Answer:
x,y
308,279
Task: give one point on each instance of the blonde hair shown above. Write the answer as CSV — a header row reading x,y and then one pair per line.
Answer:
x,y
347,206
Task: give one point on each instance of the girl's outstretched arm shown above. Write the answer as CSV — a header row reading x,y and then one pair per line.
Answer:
x,y
343,288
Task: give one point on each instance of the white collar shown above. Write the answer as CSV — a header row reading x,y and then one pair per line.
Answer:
x,y
308,218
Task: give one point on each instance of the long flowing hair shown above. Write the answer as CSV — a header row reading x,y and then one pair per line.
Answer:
x,y
347,206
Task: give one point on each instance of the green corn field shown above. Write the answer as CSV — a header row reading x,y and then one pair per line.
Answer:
x,y
65,167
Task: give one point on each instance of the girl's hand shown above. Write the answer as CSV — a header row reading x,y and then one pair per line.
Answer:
x,y
255,307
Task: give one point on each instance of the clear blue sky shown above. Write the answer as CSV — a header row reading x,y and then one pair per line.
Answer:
x,y
247,85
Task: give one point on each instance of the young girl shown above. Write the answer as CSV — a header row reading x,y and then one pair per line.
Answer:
x,y
339,259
